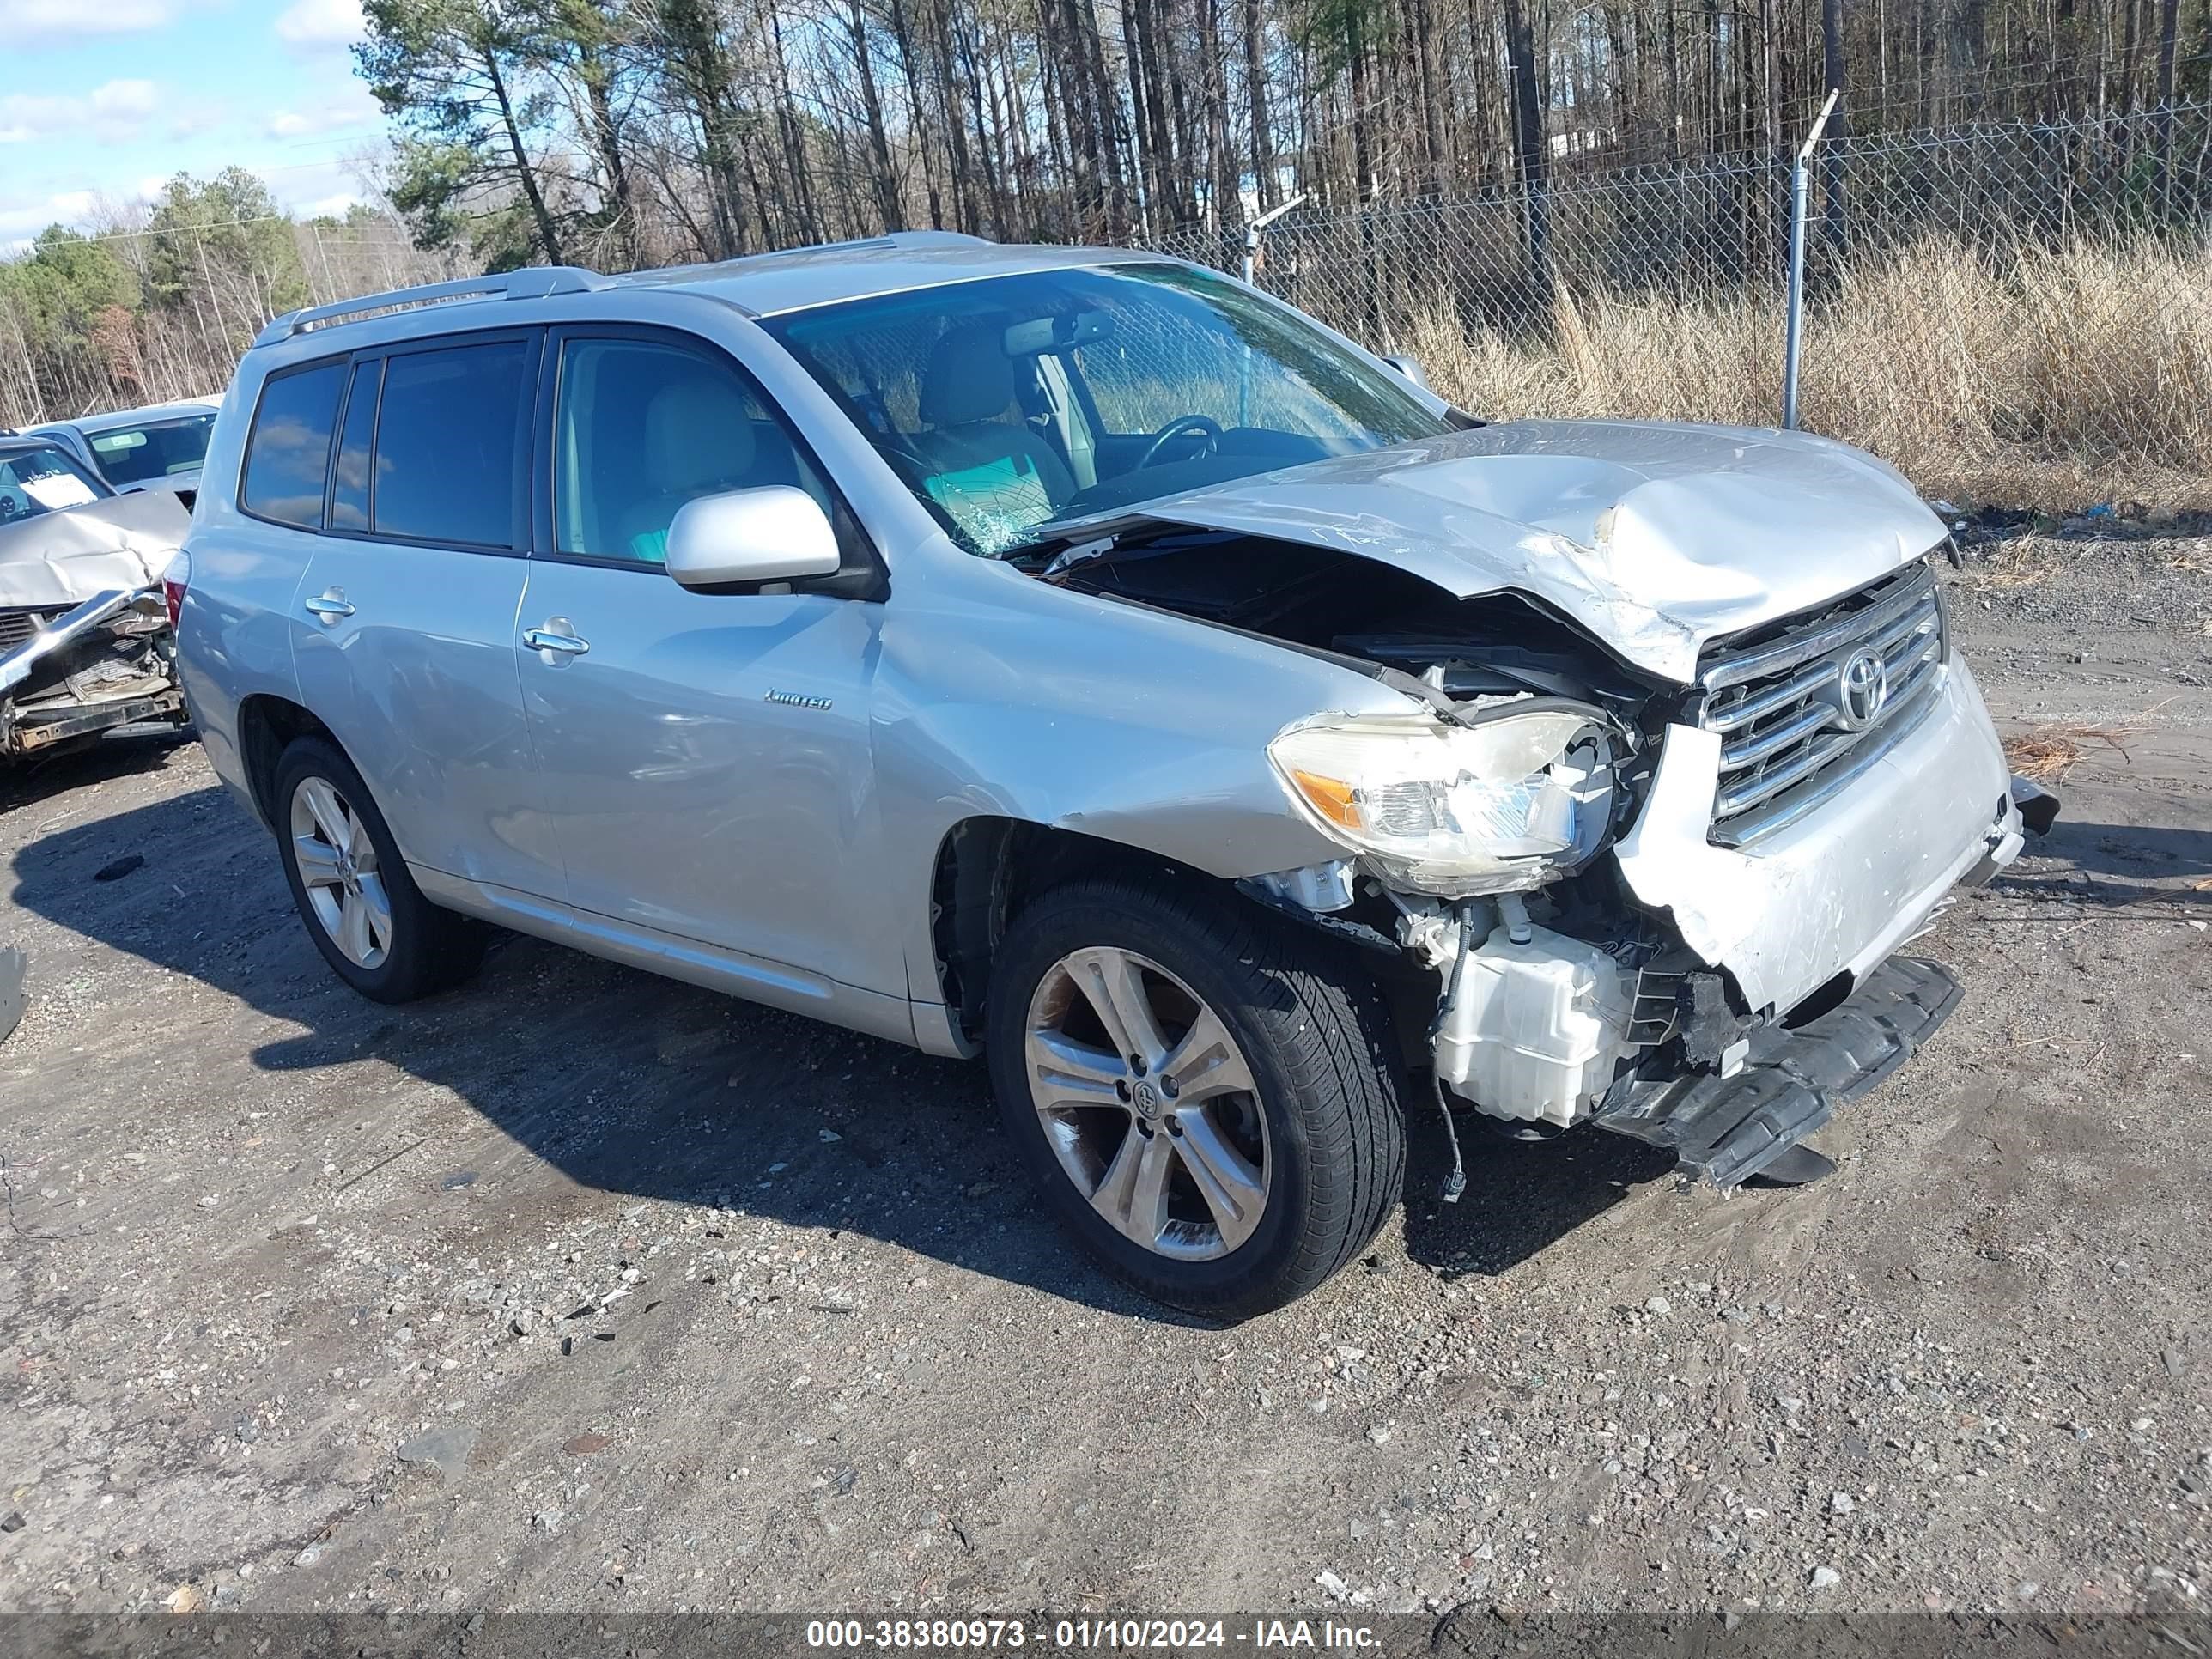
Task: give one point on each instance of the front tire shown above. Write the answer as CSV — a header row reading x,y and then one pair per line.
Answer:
x,y
361,907
1207,1096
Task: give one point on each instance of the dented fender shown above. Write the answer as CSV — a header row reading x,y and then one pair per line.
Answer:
x,y
1058,708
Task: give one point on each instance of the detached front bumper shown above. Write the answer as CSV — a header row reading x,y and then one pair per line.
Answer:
x,y
1731,1128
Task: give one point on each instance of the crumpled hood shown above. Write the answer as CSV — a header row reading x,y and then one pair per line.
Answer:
x,y
67,558
1655,537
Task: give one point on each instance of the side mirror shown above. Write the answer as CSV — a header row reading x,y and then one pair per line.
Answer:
x,y
746,537
1411,368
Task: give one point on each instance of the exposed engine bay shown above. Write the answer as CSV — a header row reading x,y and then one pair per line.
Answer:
x,y
1549,989
1493,644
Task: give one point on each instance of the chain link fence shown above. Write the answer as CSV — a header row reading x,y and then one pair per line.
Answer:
x,y
2018,313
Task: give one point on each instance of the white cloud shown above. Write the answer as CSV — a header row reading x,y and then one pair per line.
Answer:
x,y
46,22
125,100
112,109
324,188
191,119
21,221
310,26
351,106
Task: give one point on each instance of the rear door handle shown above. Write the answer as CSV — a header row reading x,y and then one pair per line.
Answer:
x,y
554,643
329,605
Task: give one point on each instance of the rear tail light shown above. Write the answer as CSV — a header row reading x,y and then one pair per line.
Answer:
x,y
174,582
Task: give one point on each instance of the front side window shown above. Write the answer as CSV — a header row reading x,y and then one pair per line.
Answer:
x,y
641,428
1010,404
287,457
141,454
447,448
44,480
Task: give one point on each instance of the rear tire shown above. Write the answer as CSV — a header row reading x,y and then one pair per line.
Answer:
x,y
1236,1166
361,906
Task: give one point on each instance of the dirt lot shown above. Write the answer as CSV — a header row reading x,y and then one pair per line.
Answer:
x,y
583,1290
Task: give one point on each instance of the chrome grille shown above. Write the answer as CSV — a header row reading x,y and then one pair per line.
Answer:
x,y
17,626
1805,706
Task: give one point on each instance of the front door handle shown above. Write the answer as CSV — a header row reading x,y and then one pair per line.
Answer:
x,y
330,605
555,644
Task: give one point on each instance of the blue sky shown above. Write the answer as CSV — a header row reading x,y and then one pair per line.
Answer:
x,y
101,100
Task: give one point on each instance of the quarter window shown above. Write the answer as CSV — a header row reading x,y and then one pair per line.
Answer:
x,y
642,428
446,450
287,457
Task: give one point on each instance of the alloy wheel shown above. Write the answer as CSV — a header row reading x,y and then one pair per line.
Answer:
x,y
337,867
1148,1104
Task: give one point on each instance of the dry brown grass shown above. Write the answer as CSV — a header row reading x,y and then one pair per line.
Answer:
x,y
2050,752
2011,566
2049,377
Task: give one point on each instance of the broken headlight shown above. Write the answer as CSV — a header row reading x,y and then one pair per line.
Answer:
x,y
1511,802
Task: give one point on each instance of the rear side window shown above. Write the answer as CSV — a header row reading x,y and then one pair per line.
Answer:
x,y
447,445
289,456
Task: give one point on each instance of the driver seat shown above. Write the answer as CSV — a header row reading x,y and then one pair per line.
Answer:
x,y
699,440
979,461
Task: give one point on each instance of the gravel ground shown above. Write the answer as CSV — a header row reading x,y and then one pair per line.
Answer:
x,y
583,1290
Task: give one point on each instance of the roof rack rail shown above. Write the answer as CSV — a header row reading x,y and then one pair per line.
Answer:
x,y
891,239
535,283
936,239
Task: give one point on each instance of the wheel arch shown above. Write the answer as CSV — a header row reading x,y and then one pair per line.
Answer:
x,y
268,725
988,867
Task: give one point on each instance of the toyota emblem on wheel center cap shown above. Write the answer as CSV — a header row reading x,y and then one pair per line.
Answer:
x,y
1861,689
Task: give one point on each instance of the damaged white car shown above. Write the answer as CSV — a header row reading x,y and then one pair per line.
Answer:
x,y
85,640
1084,659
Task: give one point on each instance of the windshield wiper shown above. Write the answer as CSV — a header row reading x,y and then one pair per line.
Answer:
x,y
1078,553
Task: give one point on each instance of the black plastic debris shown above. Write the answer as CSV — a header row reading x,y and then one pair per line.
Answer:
x,y
2038,807
1735,1127
122,868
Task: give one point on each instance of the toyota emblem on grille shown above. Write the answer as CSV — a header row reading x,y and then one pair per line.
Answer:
x,y
1861,689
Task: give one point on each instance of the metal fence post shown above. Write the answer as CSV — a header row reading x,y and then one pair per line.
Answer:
x,y
1255,228
1794,328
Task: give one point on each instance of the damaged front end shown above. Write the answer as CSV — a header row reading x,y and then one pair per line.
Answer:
x,y
106,663
86,640
1670,910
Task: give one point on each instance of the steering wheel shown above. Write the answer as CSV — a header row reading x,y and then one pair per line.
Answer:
x,y
1209,430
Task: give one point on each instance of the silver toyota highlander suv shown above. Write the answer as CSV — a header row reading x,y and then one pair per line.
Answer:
x,y
1084,659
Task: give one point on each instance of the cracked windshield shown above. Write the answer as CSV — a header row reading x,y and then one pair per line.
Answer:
x,y
1010,405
